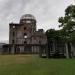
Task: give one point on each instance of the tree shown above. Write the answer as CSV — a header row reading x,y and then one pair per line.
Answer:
x,y
67,33
68,26
54,38
68,22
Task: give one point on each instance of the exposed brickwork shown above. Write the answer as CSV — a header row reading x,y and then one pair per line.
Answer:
x,y
25,32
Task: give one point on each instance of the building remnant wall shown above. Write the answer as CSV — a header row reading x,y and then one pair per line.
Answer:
x,y
25,32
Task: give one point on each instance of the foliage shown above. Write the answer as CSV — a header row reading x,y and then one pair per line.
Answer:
x,y
52,33
68,22
56,35
68,26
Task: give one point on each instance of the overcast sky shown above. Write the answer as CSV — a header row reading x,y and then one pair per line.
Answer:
x,y
45,11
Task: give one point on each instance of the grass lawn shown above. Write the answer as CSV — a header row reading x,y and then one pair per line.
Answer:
x,y
33,65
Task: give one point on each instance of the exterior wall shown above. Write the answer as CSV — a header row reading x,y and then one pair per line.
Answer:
x,y
25,33
1,47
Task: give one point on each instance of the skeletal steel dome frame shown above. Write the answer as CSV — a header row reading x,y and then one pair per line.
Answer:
x,y
28,16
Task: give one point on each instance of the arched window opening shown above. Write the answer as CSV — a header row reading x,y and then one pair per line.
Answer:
x,y
24,28
25,35
25,42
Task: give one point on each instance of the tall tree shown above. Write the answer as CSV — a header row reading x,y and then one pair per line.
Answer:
x,y
68,26
68,21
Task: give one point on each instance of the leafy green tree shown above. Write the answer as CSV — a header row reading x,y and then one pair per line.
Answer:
x,y
67,33
68,22
68,27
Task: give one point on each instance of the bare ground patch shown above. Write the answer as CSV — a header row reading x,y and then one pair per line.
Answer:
x,y
15,59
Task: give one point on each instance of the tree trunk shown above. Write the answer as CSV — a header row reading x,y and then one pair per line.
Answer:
x,y
72,49
67,52
54,47
48,51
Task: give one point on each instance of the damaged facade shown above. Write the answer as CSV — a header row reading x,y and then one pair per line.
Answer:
x,y
23,36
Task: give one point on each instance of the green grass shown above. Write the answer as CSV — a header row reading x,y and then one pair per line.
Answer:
x,y
33,65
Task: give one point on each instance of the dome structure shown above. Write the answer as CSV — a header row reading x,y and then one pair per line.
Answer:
x,y
27,16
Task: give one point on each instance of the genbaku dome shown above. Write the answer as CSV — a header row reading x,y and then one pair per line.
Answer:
x,y
23,36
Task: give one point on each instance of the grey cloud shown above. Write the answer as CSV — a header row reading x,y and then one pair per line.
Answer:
x,y
12,7
45,11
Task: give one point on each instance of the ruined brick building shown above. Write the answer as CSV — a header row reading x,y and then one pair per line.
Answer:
x,y
23,36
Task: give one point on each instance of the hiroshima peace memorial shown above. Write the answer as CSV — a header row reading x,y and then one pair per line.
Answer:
x,y
37,37
24,38
25,33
